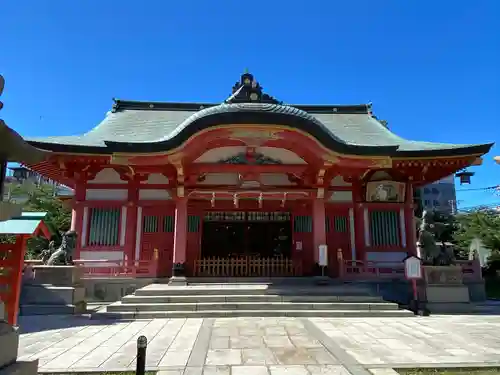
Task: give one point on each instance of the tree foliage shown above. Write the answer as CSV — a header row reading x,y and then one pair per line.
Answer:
x,y
42,199
484,225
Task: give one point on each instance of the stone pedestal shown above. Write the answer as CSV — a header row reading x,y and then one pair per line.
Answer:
x,y
53,290
178,281
445,291
9,344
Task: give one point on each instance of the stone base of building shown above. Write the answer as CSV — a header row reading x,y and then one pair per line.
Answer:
x,y
53,290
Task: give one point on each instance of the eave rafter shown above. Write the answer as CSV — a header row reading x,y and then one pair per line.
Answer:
x,y
423,171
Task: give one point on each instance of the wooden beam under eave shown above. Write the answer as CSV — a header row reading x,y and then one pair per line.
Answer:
x,y
497,159
479,161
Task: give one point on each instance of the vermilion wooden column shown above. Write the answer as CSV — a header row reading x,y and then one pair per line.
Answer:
x,y
409,213
77,215
180,238
359,221
131,223
319,226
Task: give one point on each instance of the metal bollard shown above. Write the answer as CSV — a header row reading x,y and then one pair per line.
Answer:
x,y
142,344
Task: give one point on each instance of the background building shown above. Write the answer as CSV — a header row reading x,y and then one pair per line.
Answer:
x,y
440,196
20,182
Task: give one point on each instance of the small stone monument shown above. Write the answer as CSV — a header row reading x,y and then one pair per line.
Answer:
x,y
9,344
443,281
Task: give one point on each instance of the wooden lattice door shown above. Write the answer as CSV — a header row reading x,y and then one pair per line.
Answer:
x,y
158,233
337,237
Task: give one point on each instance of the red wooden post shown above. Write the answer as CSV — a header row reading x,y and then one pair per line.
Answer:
x,y
77,215
411,239
131,221
340,261
359,221
12,264
319,230
180,236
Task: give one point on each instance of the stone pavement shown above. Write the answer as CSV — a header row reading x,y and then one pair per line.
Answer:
x,y
262,346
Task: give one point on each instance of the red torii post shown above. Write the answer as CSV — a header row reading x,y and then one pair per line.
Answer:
x,y
12,258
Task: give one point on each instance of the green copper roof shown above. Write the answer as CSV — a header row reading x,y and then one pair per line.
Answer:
x,y
148,126
152,127
24,224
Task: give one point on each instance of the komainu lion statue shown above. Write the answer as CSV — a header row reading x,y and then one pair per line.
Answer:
x,y
431,253
63,256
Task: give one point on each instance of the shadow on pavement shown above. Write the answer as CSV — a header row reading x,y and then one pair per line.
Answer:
x,y
39,323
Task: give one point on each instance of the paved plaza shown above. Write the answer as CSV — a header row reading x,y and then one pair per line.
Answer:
x,y
262,346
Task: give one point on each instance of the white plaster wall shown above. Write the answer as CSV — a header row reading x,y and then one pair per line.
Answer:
x,y
275,179
101,255
217,154
220,179
341,196
154,194
156,179
107,176
106,194
339,181
282,154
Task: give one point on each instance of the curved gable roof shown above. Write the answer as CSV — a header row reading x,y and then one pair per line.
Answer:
x,y
153,127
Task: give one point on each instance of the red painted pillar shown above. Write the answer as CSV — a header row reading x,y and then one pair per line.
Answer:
x,y
359,222
180,238
16,281
319,226
409,213
77,216
131,223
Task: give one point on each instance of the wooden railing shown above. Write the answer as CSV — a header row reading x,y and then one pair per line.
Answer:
x,y
118,268
246,266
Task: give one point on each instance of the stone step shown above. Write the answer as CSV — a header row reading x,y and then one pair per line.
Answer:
x,y
51,295
253,289
47,309
260,306
250,313
245,298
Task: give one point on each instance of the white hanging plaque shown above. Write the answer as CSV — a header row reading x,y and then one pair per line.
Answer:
x,y
323,255
413,268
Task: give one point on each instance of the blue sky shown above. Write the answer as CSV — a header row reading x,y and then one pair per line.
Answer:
x,y
431,68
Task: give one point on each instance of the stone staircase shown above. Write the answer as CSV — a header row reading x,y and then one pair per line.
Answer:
x,y
198,300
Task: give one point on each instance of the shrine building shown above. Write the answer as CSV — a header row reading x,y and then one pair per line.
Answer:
x,y
246,187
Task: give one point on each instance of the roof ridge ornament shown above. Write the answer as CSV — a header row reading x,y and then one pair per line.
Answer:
x,y
248,90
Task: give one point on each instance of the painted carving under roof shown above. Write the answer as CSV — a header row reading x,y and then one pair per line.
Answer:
x,y
279,155
107,176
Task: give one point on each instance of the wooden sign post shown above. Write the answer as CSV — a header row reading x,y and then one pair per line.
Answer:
x,y
323,258
413,272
